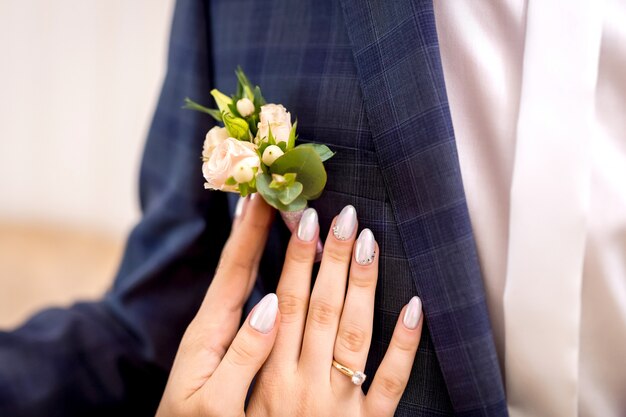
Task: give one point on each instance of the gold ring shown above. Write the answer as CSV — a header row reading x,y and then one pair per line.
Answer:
x,y
357,377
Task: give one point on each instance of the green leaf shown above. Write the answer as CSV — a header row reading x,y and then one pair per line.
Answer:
x,y
292,136
237,127
290,178
280,182
242,78
323,151
261,148
232,107
244,86
222,100
253,123
230,181
289,194
307,165
192,105
243,189
248,92
299,203
270,137
271,196
258,98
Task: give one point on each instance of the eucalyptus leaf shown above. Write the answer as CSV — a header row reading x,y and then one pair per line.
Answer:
x,y
307,165
323,151
271,196
280,182
299,203
290,178
289,194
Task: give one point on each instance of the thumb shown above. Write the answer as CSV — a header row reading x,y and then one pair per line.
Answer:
x,y
245,356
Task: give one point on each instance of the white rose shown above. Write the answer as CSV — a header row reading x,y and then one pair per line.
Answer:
x,y
245,107
270,154
225,157
277,118
214,137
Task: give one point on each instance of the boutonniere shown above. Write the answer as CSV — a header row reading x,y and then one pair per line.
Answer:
x,y
254,150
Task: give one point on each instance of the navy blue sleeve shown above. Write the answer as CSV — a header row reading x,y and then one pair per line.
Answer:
x,y
113,355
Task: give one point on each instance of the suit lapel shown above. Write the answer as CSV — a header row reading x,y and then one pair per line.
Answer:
x,y
397,57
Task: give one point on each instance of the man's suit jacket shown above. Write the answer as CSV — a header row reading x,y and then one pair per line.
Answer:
x,y
363,77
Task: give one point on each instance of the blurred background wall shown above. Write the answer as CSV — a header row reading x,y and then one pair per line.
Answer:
x,y
79,80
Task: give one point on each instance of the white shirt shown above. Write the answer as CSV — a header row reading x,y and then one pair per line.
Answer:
x,y
489,50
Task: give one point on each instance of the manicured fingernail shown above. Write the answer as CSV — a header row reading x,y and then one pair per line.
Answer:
x,y
241,206
365,248
308,225
264,316
413,313
346,222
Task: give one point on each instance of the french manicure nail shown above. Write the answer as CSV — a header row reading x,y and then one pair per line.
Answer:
x,y
365,248
241,206
264,315
346,222
413,313
308,225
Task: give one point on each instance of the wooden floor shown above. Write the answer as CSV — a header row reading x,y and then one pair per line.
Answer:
x,y
42,266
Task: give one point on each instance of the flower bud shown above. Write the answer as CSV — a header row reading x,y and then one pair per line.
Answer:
x,y
270,154
222,100
243,172
245,107
236,126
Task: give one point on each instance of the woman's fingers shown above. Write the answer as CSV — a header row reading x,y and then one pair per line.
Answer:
x,y
294,287
393,374
327,298
229,384
216,323
355,329
240,257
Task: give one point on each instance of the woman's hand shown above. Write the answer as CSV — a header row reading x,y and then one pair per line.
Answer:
x,y
214,364
299,378
211,375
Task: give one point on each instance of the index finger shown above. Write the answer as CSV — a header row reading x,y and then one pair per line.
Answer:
x,y
238,265
211,332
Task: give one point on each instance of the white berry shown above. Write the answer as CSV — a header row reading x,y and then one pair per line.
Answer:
x,y
270,154
243,172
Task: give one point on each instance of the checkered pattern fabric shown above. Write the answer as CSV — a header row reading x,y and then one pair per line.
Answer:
x,y
363,77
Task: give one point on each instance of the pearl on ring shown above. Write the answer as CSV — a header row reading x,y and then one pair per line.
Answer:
x,y
357,377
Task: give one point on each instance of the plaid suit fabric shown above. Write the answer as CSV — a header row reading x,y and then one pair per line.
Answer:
x,y
396,52
112,357
362,77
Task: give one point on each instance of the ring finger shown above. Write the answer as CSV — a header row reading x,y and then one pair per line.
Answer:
x,y
355,328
